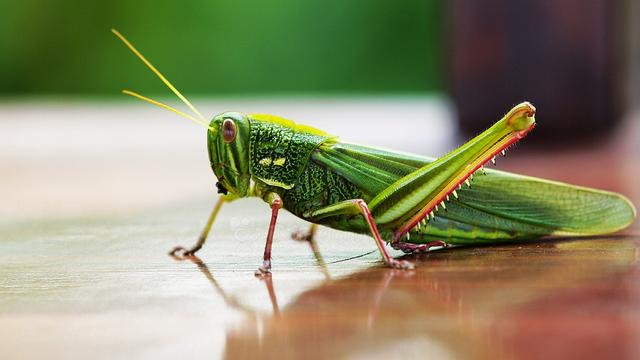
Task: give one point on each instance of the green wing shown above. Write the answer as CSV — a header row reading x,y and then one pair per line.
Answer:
x,y
497,206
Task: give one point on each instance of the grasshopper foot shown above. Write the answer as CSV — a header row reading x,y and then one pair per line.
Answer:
x,y
264,270
181,252
401,264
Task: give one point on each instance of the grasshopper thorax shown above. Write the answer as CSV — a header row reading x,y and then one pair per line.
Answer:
x,y
228,144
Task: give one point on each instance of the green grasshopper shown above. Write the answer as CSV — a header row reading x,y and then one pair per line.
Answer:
x,y
414,203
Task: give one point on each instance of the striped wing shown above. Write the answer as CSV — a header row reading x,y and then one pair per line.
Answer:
x,y
498,205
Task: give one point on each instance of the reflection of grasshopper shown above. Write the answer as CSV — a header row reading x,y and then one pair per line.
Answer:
x,y
231,301
413,202
462,305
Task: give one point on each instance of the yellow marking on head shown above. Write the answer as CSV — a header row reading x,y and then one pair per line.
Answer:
x,y
155,71
279,161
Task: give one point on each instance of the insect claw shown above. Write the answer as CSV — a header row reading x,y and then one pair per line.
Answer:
x,y
443,205
466,181
432,215
437,208
447,197
455,194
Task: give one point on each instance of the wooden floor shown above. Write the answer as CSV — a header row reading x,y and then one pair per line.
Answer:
x,y
89,277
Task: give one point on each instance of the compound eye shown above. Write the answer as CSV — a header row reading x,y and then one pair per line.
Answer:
x,y
228,131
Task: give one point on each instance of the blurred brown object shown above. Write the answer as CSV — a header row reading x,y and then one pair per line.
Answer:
x,y
564,57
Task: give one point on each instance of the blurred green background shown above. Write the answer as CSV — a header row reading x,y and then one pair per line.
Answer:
x,y
222,47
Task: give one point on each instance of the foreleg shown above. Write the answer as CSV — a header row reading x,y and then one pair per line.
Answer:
x,y
182,251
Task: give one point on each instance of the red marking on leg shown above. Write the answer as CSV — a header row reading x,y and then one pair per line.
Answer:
x,y
409,248
436,244
411,223
374,229
265,269
275,207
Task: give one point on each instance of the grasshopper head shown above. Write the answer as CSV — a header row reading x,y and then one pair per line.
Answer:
x,y
228,143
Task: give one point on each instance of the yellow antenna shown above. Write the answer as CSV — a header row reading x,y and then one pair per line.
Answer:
x,y
157,103
164,80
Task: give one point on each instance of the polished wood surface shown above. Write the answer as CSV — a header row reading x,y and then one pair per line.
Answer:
x,y
91,284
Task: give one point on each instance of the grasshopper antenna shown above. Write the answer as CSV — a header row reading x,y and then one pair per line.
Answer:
x,y
164,80
157,103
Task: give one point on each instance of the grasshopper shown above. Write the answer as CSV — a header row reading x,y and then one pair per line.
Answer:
x,y
411,202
